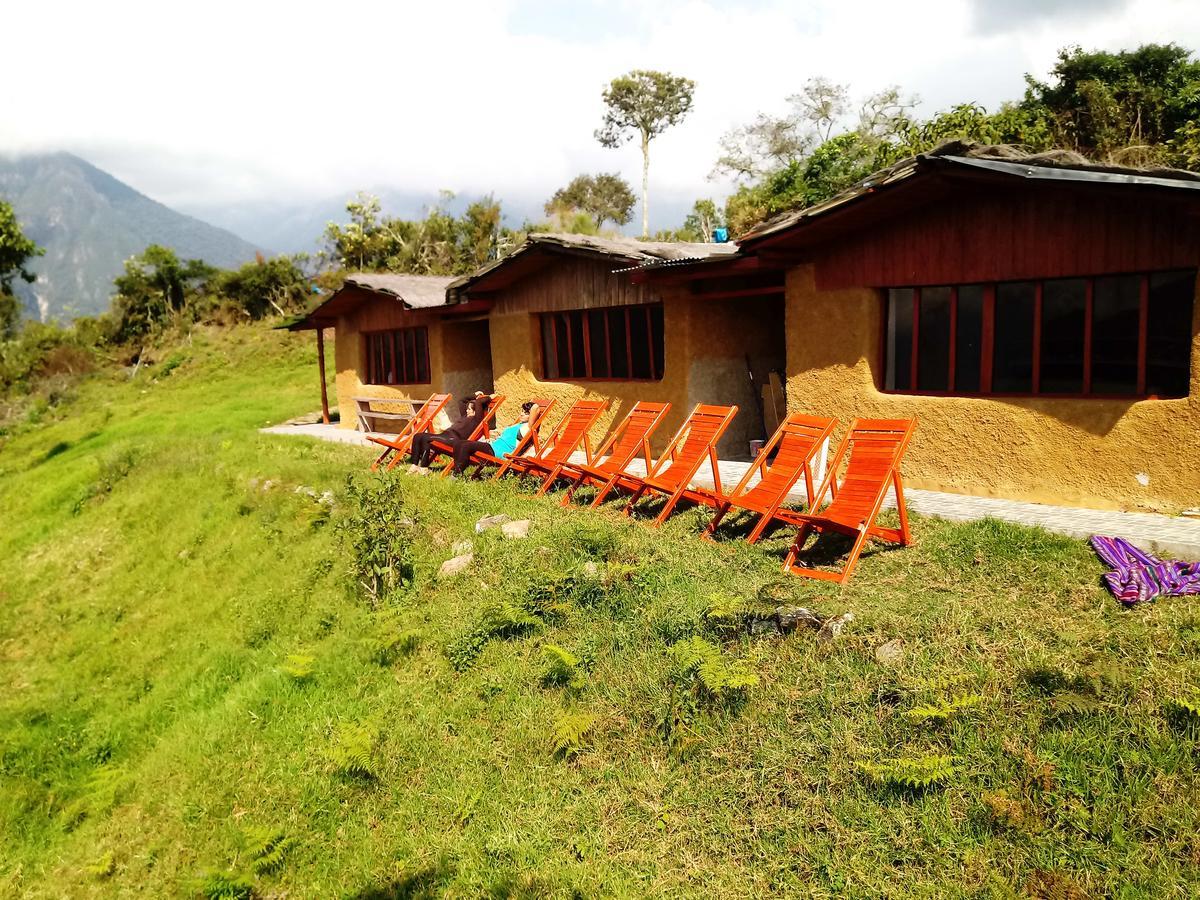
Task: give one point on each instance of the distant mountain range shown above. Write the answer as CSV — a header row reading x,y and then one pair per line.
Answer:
x,y
89,223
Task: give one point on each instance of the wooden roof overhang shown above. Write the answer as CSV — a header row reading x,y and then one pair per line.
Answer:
x,y
506,272
717,278
350,297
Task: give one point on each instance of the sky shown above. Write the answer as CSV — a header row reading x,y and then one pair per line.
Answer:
x,y
255,101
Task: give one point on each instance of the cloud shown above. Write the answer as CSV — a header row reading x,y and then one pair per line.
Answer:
x,y
230,102
994,16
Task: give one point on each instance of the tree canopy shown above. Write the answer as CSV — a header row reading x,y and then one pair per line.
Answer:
x,y
643,103
606,197
15,251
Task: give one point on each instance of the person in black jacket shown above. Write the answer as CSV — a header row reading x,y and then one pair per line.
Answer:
x,y
473,411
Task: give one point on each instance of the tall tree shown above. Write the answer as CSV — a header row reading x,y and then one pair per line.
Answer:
x,y
15,251
644,103
605,197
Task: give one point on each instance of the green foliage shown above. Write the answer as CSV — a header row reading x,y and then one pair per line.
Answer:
x,y
571,734
155,288
102,867
911,772
940,712
562,668
378,532
438,244
103,790
605,197
298,666
700,666
267,849
266,286
391,638
644,103
1183,713
15,251
225,886
113,469
355,751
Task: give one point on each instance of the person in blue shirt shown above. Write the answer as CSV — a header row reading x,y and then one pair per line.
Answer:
x,y
501,443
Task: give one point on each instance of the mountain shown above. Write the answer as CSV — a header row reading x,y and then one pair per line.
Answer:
x,y
89,223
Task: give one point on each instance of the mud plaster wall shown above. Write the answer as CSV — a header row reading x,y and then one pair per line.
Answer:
x,y
466,359
1075,452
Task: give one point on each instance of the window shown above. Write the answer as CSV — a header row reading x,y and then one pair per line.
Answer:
x,y
622,343
1108,336
398,357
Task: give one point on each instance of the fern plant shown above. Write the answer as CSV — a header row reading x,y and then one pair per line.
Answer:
x,y
1183,713
355,751
267,849
562,668
939,712
911,772
726,615
571,734
225,886
298,666
501,620
103,866
700,665
379,534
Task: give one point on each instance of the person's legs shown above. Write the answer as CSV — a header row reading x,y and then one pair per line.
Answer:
x,y
420,449
463,451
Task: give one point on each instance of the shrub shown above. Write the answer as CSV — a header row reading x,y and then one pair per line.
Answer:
x,y
571,734
379,534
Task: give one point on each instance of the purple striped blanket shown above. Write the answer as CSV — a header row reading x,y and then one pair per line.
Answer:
x,y
1137,576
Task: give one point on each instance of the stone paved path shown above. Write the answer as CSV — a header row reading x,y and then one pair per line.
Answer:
x,y
1172,536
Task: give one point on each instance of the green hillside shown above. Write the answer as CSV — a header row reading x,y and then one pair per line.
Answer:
x,y
199,698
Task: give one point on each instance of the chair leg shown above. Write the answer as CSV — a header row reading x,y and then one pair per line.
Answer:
x,y
576,480
603,491
551,477
763,522
669,507
860,542
901,509
711,529
637,495
379,461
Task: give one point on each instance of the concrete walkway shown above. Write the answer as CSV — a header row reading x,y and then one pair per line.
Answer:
x,y
1169,536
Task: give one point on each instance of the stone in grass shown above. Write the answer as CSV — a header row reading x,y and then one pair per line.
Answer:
x,y
790,617
891,653
452,567
461,547
517,529
490,522
590,570
764,628
833,627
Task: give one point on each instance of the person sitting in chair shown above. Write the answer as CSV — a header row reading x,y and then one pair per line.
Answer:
x,y
474,409
504,442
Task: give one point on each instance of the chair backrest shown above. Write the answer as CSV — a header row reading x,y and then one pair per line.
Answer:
x,y
572,431
422,419
782,462
631,437
544,405
876,447
489,417
696,438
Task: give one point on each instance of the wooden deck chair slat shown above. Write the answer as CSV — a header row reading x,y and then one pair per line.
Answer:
x,y
479,433
630,439
694,443
421,421
876,448
574,429
787,457
531,439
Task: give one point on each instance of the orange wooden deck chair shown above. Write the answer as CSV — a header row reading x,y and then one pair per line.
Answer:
x,y
695,442
480,433
421,421
574,429
532,439
629,440
765,486
876,447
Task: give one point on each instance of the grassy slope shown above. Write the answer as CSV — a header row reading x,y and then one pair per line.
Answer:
x,y
150,596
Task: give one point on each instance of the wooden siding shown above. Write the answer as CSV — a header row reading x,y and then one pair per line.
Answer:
x,y
985,235
571,284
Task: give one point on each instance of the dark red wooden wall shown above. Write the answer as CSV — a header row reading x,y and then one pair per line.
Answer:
x,y
983,234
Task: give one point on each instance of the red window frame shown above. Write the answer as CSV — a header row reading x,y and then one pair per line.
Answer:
x,y
987,342
618,321
398,356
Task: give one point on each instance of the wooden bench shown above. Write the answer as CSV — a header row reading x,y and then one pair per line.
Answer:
x,y
367,415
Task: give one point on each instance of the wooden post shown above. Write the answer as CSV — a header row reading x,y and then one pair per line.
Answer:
x,y
321,366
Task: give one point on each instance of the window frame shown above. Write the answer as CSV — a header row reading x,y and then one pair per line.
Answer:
x,y
391,345
987,340
657,367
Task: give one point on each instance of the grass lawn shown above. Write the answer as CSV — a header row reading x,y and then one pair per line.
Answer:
x,y
199,698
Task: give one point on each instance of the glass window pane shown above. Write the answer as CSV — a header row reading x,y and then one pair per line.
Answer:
x,y
1012,348
1169,333
1115,334
933,340
423,355
620,347
656,339
1064,303
560,337
639,333
968,338
597,345
898,374
578,359
549,354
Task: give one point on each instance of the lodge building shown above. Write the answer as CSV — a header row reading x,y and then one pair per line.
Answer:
x,y
1036,314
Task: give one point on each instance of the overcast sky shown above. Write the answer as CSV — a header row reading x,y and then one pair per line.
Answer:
x,y
234,102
